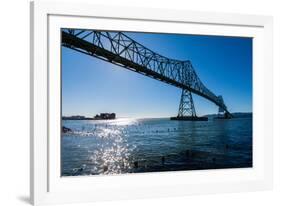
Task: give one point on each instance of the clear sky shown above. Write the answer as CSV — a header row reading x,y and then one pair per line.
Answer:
x,y
224,64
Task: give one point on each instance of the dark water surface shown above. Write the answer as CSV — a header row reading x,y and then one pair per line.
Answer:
x,y
149,145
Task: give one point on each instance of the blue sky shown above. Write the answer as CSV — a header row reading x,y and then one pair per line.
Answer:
x,y
224,65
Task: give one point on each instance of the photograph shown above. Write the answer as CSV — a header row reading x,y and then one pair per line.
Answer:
x,y
142,102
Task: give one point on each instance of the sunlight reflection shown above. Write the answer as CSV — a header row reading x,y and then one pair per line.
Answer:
x,y
123,121
113,154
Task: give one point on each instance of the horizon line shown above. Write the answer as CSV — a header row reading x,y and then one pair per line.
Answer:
x,y
149,116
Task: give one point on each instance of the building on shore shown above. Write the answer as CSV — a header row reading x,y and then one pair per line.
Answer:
x,y
105,116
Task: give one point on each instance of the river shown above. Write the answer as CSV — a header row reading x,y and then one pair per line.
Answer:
x,y
128,145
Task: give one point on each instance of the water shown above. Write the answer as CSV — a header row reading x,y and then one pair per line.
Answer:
x,y
152,145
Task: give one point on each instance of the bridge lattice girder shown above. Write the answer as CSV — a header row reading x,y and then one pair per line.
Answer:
x,y
119,49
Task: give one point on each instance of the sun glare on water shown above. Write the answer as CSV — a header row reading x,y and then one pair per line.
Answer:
x,y
112,154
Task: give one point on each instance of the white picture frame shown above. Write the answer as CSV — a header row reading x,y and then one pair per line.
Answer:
x,y
46,184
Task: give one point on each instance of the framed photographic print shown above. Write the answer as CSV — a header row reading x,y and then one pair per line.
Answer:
x,y
126,105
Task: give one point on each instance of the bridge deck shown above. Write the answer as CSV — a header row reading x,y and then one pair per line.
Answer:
x,y
177,73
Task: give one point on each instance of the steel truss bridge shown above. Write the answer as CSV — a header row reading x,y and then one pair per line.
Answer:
x,y
119,49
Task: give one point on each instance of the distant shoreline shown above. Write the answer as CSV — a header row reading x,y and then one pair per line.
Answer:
x,y
86,118
101,116
235,114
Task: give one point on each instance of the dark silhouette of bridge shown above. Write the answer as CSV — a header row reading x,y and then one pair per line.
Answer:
x,y
119,49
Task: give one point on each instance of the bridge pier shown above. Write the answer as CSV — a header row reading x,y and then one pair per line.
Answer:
x,y
186,108
222,114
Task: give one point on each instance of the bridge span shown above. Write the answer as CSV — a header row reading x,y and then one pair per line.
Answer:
x,y
119,49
